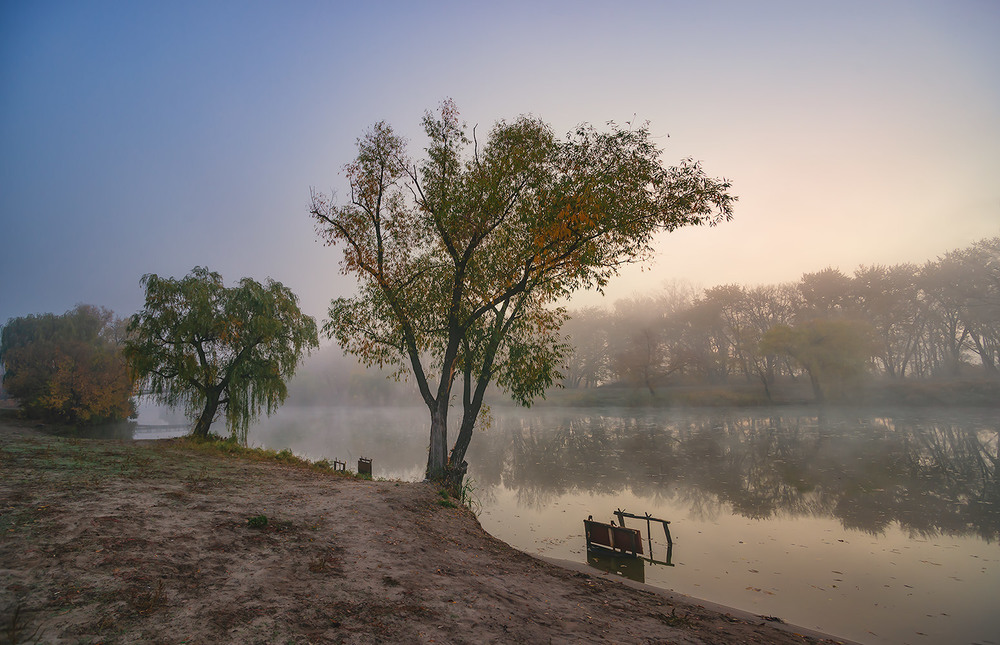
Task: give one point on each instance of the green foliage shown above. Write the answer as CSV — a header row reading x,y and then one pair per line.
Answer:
x,y
469,498
68,368
214,349
445,499
232,447
257,522
835,353
462,255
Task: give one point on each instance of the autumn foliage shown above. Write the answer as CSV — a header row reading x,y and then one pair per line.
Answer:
x,y
461,255
68,367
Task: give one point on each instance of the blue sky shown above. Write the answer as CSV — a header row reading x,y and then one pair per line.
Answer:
x,y
140,137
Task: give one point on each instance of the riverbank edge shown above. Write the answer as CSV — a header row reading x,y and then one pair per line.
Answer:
x,y
739,626
676,597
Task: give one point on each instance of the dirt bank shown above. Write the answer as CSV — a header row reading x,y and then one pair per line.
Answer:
x,y
118,542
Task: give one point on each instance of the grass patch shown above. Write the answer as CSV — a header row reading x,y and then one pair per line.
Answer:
x,y
216,445
446,500
469,498
263,523
257,522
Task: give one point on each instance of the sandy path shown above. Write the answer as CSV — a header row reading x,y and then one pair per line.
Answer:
x,y
112,542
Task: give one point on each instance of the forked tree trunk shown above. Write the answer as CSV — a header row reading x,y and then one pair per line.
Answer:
x,y
457,465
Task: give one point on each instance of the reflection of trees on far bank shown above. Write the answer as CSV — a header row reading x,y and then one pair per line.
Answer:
x,y
930,476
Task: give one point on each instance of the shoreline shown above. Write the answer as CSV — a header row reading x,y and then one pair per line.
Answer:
x,y
120,543
681,598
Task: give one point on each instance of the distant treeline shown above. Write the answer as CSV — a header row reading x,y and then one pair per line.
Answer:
x,y
939,320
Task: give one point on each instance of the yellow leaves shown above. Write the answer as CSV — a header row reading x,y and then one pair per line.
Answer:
x,y
91,384
231,331
578,219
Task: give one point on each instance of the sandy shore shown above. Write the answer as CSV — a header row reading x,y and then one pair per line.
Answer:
x,y
120,542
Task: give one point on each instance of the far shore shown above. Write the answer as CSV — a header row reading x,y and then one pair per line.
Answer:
x,y
118,542
956,392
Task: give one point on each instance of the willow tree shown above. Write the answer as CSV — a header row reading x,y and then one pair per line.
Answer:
x,y
461,255
215,349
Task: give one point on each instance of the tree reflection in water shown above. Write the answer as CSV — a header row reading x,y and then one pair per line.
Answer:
x,y
933,474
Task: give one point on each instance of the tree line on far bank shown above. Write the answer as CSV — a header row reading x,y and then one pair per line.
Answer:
x,y
939,320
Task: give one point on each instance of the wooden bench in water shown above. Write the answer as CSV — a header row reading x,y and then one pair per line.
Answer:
x,y
616,538
619,538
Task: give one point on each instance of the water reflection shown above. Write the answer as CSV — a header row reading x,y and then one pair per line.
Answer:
x,y
121,430
622,565
932,476
124,431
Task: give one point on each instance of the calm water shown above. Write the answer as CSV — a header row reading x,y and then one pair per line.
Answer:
x,y
882,528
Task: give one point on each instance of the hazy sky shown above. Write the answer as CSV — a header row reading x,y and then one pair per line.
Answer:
x,y
140,137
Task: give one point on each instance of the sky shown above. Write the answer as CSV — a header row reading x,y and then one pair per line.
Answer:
x,y
153,137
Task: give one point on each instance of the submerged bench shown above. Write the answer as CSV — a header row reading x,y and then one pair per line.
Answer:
x,y
616,538
621,539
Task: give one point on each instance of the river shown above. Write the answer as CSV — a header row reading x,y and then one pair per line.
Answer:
x,y
881,527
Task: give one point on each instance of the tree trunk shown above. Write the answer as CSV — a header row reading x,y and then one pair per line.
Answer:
x,y
817,390
208,414
457,466
472,404
985,353
762,375
437,453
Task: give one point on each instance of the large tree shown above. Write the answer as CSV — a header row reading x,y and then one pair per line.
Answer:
x,y
69,367
461,254
834,352
215,349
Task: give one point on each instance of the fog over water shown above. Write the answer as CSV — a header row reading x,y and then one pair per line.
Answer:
x,y
879,526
